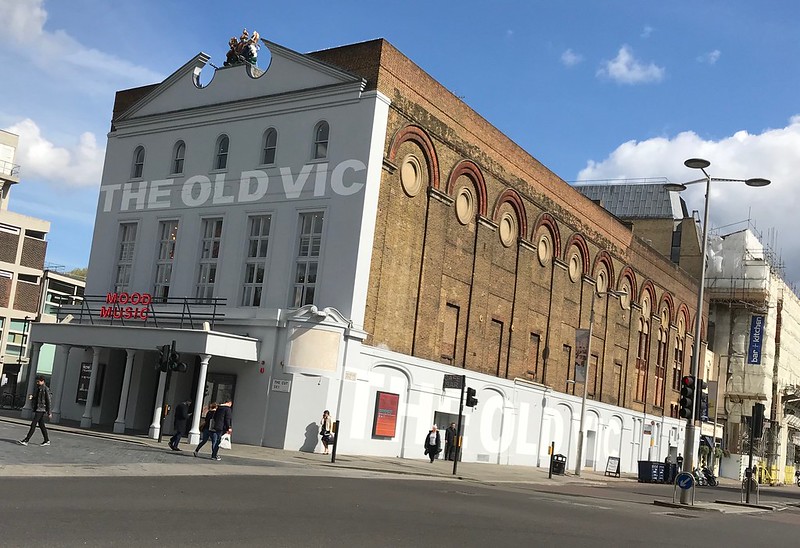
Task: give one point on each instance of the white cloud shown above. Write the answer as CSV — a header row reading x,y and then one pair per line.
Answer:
x,y
647,31
626,69
569,58
771,154
60,54
710,57
79,165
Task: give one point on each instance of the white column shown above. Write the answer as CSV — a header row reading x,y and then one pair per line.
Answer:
x,y
59,376
33,363
119,424
194,433
86,419
155,426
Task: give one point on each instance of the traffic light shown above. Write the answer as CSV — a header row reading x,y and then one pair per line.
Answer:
x,y
472,401
687,397
174,361
163,358
758,420
701,401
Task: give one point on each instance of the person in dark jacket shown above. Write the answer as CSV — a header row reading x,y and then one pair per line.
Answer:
x,y
222,425
450,442
207,428
433,443
182,415
41,399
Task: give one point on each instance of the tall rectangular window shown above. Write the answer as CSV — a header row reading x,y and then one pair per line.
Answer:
x,y
168,236
449,333
127,245
661,367
677,365
209,255
570,367
307,261
17,338
255,262
533,356
496,345
616,384
642,358
593,373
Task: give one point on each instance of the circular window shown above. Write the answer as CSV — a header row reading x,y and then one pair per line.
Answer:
x,y
602,281
411,175
465,206
575,270
508,229
544,249
625,300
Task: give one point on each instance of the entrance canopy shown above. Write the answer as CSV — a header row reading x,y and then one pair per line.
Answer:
x,y
190,341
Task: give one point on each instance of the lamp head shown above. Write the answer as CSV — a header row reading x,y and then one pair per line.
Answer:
x,y
674,187
697,163
757,182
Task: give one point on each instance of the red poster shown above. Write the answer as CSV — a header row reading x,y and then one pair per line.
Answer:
x,y
386,405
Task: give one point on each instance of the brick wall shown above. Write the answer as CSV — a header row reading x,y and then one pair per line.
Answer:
x,y
425,260
8,247
33,253
27,297
5,292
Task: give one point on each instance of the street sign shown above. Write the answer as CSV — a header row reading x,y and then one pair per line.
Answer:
x,y
452,381
685,480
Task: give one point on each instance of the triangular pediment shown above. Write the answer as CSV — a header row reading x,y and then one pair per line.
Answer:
x,y
288,71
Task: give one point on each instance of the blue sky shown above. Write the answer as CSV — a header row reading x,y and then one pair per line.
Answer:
x,y
593,89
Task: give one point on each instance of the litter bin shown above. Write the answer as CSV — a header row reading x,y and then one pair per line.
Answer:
x,y
651,471
559,465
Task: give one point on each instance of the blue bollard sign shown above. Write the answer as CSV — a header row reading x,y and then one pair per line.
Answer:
x,y
684,480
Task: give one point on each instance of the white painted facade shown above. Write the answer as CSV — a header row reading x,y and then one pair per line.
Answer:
x,y
289,362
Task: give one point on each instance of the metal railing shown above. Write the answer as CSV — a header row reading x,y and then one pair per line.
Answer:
x,y
9,169
143,310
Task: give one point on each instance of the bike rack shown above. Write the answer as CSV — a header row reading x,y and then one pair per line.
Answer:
x,y
754,488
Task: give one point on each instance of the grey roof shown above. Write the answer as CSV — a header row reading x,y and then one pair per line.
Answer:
x,y
636,201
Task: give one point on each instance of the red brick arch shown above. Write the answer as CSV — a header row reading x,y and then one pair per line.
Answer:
x,y
473,173
649,288
604,258
420,137
683,311
580,242
666,299
511,196
549,222
628,273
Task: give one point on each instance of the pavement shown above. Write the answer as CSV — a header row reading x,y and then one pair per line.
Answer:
x,y
248,456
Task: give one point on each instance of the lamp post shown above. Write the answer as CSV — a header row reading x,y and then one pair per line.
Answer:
x,y
582,433
701,164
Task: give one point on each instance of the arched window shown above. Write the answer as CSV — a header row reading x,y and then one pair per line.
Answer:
x,y
321,134
179,153
138,162
270,146
221,160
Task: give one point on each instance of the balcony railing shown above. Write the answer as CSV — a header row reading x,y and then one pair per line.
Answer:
x,y
8,169
141,309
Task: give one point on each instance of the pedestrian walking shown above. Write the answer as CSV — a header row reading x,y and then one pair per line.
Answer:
x,y
40,401
450,444
182,415
207,428
223,424
433,443
326,430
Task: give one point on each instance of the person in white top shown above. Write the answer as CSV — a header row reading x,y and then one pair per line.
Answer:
x,y
433,443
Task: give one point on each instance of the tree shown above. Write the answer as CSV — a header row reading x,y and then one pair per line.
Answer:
x,y
78,273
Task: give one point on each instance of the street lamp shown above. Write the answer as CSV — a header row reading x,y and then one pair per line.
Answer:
x,y
582,433
701,164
